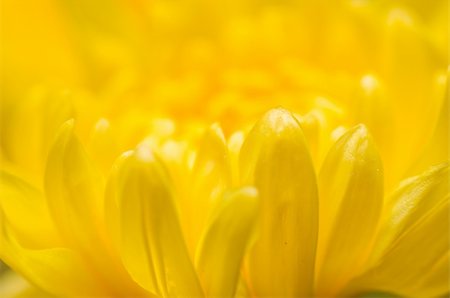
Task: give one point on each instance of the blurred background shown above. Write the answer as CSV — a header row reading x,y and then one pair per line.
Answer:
x,y
200,58
382,63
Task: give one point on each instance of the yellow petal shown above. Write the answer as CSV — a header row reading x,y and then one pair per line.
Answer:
x,y
12,285
59,271
112,200
103,145
320,126
436,280
225,241
74,190
211,175
235,142
27,212
275,159
212,163
151,241
437,149
409,68
40,114
410,203
414,236
372,107
416,264
351,197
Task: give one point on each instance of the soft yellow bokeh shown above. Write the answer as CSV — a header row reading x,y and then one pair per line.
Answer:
x,y
231,61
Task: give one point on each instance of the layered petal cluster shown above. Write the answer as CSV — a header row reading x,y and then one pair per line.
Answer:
x,y
142,153
248,218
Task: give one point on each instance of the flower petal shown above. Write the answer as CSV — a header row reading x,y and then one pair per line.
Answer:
x,y
112,211
12,285
151,240
410,203
225,241
211,175
409,66
275,159
103,145
437,149
40,114
58,271
27,213
212,163
351,198
74,190
418,260
414,236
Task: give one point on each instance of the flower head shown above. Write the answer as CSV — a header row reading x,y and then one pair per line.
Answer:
x,y
149,232
120,186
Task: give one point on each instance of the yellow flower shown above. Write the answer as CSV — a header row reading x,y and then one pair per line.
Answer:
x,y
304,237
303,203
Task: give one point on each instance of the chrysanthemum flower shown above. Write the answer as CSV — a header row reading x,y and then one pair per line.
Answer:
x,y
264,225
345,193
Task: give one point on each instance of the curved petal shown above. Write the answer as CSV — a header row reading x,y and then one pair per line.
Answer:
x,y
351,198
74,190
211,175
12,285
59,271
416,264
410,203
275,159
409,67
411,256
112,199
225,241
151,240
27,212
437,149
103,145
40,114
372,107
235,142
436,280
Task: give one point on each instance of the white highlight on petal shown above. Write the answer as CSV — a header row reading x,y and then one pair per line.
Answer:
x,y
400,16
102,125
369,83
144,152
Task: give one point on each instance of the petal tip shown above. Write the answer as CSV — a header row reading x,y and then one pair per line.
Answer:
x,y
361,130
356,136
279,119
250,191
66,130
399,17
69,124
102,124
144,154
